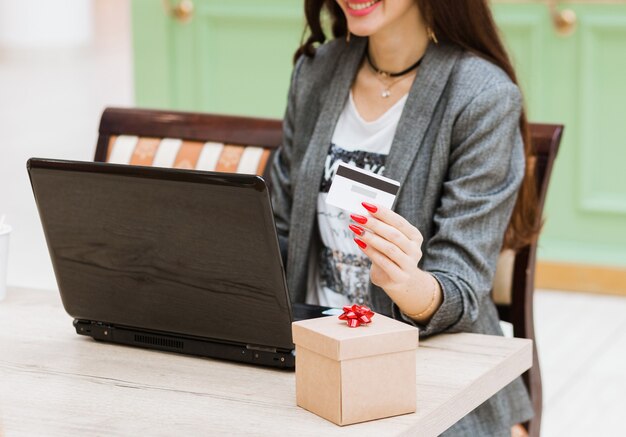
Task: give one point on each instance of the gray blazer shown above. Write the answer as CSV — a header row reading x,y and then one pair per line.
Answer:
x,y
459,157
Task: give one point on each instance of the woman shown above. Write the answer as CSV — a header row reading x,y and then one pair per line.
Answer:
x,y
421,91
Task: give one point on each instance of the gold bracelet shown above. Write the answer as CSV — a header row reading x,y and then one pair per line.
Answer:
x,y
432,302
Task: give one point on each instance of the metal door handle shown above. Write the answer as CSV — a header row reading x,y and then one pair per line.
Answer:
x,y
564,20
182,11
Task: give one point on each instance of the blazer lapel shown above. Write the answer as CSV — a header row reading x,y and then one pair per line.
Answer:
x,y
307,189
418,112
419,108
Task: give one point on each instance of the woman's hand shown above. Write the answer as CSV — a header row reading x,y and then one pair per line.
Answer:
x,y
395,248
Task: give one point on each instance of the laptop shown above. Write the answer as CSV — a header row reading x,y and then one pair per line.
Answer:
x,y
175,260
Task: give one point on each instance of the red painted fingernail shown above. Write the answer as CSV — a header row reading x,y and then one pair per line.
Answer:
x,y
371,208
357,229
361,243
358,218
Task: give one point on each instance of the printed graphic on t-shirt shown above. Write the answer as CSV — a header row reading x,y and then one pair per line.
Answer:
x,y
374,162
342,267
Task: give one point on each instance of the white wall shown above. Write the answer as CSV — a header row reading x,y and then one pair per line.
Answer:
x,y
45,23
50,105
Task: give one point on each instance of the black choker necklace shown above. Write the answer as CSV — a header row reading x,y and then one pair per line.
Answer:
x,y
386,73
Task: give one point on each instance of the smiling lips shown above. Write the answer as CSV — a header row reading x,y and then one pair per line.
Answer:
x,y
360,8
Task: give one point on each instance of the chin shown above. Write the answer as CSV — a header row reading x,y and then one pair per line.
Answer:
x,y
363,31
365,26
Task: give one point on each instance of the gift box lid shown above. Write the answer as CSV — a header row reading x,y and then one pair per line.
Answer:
x,y
334,339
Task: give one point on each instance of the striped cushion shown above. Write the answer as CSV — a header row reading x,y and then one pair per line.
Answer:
x,y
193,155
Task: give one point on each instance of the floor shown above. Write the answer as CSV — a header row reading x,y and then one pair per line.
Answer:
x,y
50,104
582,350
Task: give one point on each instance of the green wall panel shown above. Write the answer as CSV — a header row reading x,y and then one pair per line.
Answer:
x,y
232,57
578,80
245,64
524,31
235,57
601,164
151,47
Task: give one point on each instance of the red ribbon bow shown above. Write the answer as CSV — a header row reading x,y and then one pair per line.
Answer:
x,y
356,315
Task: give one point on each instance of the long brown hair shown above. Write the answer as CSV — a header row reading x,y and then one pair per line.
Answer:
x,y
470,25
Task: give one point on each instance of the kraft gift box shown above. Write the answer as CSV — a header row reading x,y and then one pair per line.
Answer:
x,y
349,375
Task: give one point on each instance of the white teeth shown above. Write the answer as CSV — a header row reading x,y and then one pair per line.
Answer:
x,y
359,6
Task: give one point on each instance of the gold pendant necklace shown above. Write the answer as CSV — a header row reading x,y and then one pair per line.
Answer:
x,y
386,92
382,75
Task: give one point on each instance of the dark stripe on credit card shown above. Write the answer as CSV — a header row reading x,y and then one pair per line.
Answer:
x,y
371,181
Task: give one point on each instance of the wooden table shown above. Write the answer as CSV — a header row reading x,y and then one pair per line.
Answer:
x,y
56,383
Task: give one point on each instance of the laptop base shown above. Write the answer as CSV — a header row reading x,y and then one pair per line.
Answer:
x,y
186,345
305,311
259,355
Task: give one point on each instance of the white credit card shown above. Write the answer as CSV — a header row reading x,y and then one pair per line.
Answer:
x,y
352,185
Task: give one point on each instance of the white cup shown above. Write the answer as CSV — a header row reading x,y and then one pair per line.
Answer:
x,y
5,231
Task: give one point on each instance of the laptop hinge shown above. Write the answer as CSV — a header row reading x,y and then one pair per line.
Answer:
x,y
254,347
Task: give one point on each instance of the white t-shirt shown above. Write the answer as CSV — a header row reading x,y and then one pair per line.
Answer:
x,y
341,271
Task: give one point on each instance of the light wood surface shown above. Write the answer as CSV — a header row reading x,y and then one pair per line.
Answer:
x,y
55,383
581,277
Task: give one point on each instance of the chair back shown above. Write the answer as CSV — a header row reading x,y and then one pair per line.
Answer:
x,y
514,282
187,140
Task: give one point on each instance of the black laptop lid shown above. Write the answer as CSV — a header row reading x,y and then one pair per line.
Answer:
x,y
186,252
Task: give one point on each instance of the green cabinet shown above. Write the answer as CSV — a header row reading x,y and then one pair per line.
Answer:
x,y
230,57
578,80
235,57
